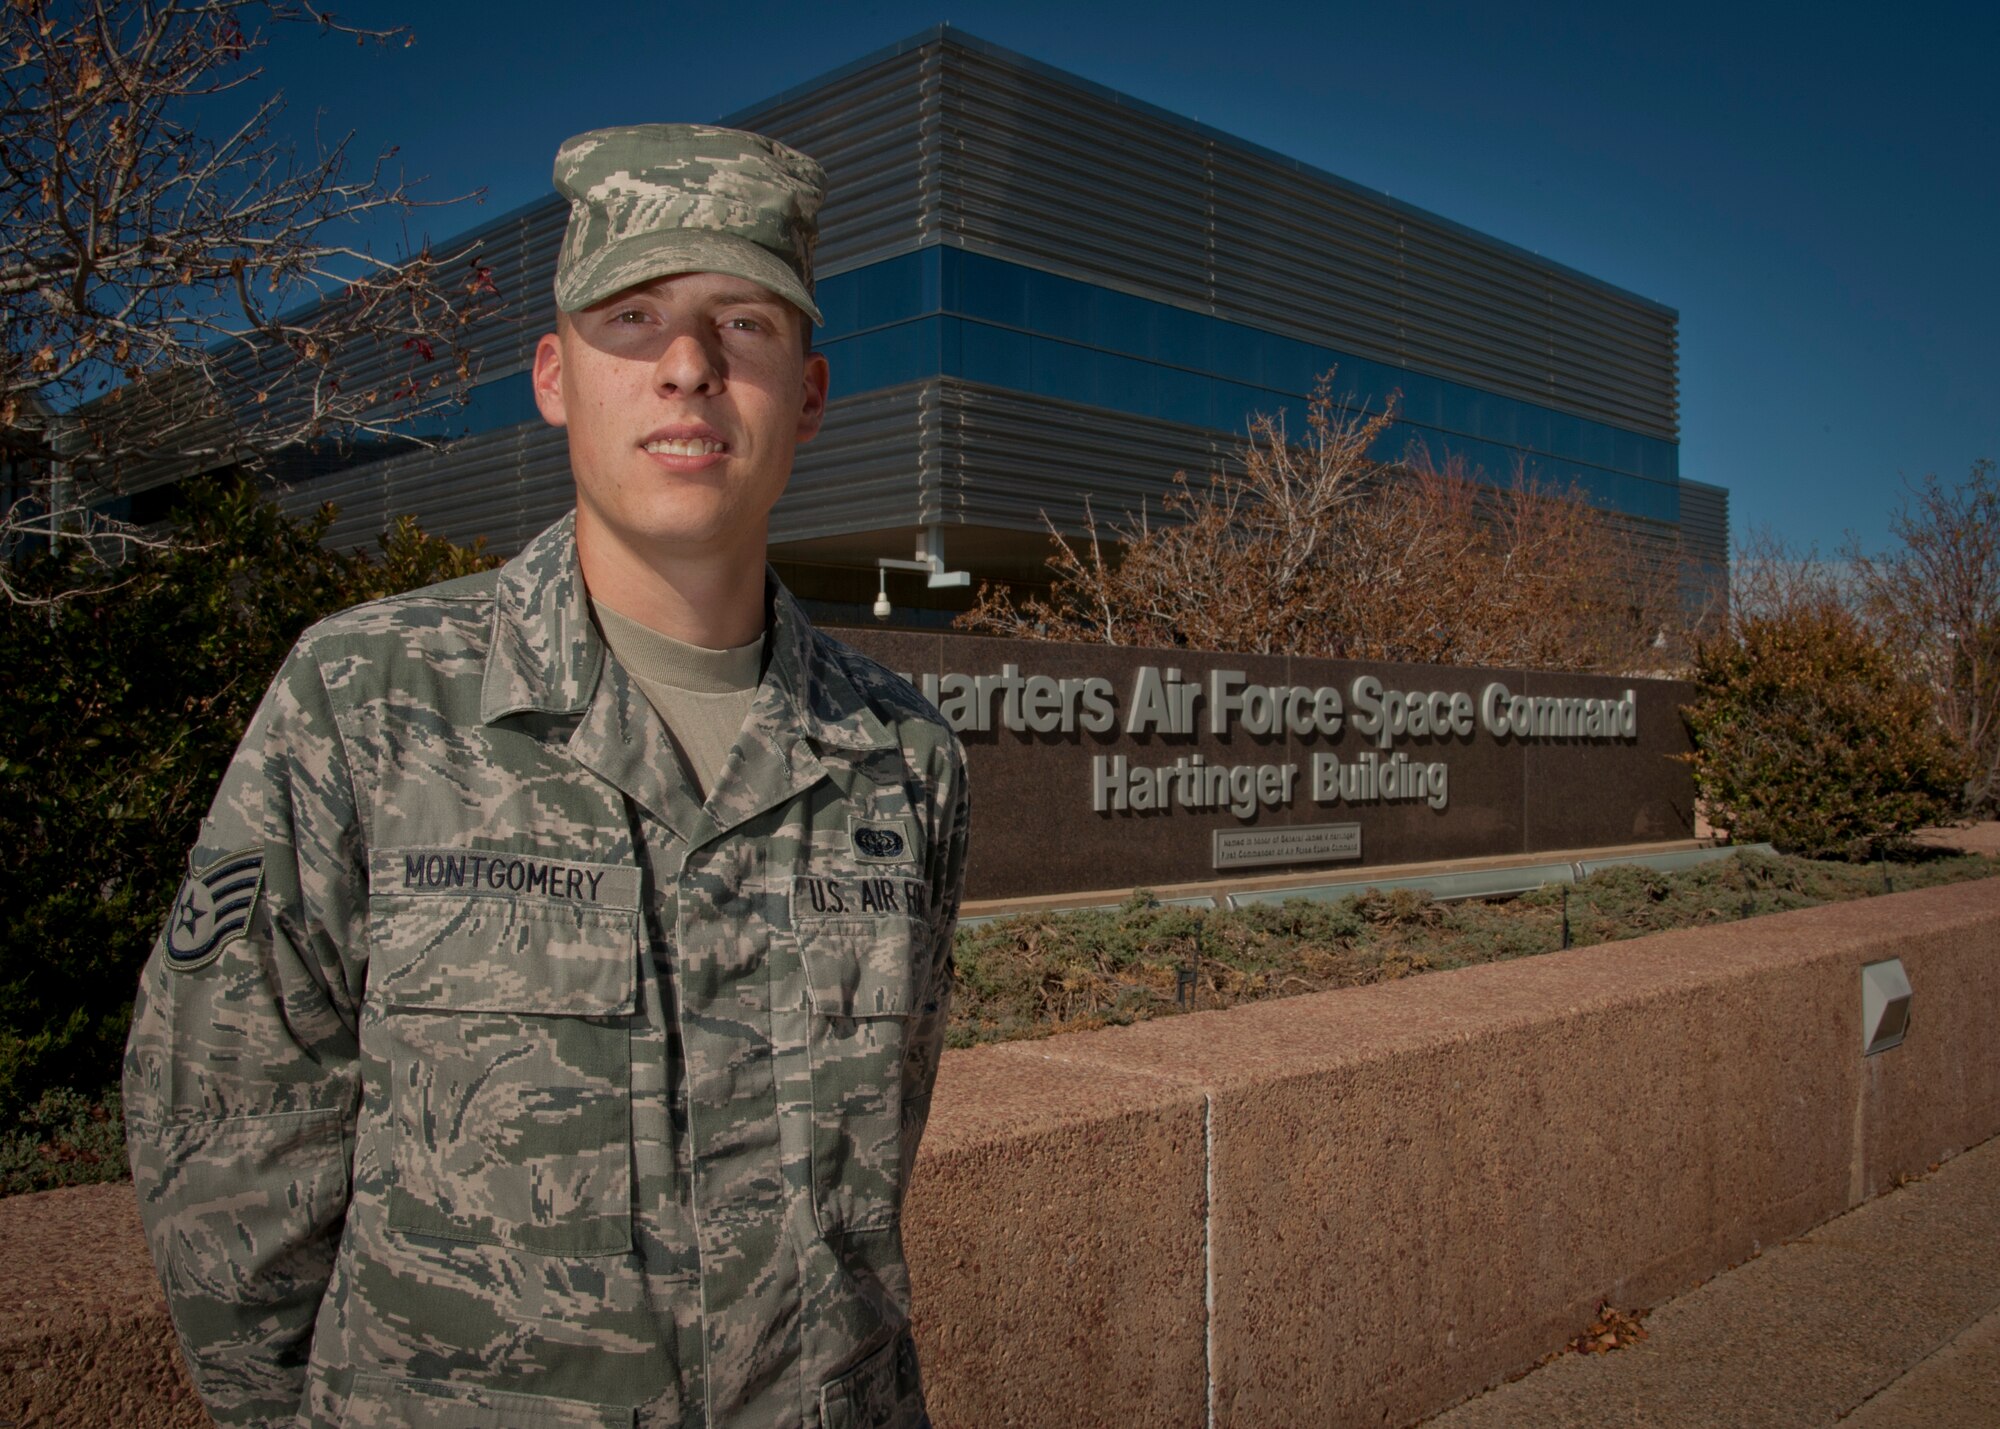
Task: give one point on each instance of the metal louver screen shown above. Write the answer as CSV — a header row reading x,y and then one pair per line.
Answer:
x,y
957,140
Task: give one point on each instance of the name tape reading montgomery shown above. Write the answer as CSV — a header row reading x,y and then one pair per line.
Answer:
x,y
1162,702
426,870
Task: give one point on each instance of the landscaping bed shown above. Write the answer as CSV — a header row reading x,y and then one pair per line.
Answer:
x,y
1037,974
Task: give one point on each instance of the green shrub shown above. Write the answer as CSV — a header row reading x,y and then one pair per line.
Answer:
x,y
120,711
1806,736
64,1140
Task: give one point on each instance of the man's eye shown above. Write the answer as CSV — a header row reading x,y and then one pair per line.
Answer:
x,y
630,315
744,324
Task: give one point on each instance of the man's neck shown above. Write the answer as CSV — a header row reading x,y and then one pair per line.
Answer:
x,y
713,600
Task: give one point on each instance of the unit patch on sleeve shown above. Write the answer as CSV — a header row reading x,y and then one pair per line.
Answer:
x,y
213,909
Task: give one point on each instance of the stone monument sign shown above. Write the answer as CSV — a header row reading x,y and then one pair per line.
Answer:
x,y
1099,767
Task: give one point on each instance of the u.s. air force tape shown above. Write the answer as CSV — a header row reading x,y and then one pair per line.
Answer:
x,y
213,909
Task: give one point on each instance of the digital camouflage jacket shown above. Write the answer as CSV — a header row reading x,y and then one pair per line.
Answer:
x,y
481,1077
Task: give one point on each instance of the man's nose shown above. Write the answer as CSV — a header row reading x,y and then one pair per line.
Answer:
x,y
688,365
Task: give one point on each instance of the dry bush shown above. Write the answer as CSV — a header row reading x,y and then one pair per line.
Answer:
x,y
1809,731
1318,549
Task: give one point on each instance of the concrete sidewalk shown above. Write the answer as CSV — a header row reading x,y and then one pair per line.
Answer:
x,y
1885,1318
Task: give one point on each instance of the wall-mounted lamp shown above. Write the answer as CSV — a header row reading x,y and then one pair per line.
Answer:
x,y
1885,1006
929,561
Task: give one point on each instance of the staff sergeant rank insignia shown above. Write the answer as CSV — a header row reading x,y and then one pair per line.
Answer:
x,y
213,909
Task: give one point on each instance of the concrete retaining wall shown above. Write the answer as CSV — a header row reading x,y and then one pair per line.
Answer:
x,y
1348,1208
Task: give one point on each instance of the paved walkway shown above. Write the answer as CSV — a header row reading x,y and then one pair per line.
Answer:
x,y
1983,837
1886,1318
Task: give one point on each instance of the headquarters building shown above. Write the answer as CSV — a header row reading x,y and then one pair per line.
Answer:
x,y
1040,294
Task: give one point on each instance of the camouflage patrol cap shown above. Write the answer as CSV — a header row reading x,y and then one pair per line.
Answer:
x,y
647,200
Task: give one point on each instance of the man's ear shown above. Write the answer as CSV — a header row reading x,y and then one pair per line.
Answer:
x,y
548,380
813,412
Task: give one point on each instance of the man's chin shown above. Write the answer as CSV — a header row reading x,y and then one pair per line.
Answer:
x,y
684,533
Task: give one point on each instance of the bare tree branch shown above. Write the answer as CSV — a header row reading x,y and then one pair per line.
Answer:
x,y
174,295
1935,601
1319,548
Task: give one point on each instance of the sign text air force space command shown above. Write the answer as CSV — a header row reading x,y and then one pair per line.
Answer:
x,y
1161,702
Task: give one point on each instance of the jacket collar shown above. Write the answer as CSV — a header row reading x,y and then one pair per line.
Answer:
x,y
806,688
547,655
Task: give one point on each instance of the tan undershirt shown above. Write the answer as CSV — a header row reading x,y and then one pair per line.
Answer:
x,y
702,696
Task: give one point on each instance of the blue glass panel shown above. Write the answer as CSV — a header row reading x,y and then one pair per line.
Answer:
x,y
1172,339
933,293
1423,398
1021,328
992,290
1075,311
1233,350
503,402
1293,366
1178,395
1662,460
1563,430
1058,369
1594,443
1647,462
995,356
951,279
997,292
894,290
951,345
1533,426
840,304
1624,451
1460,411
884,357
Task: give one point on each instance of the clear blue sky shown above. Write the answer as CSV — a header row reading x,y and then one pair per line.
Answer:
x,y
1816,189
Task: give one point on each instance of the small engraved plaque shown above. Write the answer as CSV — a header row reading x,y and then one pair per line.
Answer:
x,y
1298,843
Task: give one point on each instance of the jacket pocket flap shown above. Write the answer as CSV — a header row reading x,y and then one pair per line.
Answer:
x,y
537,956
860,967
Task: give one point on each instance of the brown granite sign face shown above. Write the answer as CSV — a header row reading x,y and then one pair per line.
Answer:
x,y
1095,767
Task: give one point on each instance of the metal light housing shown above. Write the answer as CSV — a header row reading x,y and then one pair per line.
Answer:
x,y
1885,1006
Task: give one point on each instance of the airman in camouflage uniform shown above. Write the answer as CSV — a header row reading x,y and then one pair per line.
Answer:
x,y
486,1074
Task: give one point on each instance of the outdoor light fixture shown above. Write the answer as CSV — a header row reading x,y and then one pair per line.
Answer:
x,y
1885,1006
929,561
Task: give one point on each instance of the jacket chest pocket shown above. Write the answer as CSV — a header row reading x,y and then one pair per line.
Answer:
x,y
862,977
508,1028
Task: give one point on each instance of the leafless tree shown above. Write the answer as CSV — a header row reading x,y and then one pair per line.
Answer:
x,y
1320,549
1180,580
1935,600
179,289
1771,579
